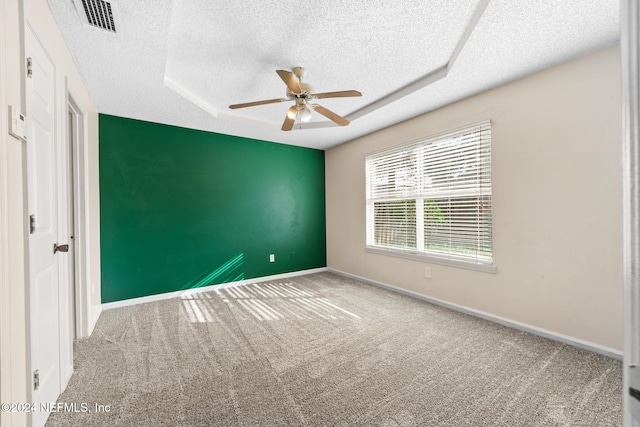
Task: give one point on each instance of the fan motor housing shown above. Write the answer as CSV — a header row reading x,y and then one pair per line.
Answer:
x,y
305,93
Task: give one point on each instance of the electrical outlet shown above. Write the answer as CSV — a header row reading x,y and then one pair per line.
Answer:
x,y
427,272
272,258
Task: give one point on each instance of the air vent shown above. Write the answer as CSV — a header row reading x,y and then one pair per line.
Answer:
x,y
98,13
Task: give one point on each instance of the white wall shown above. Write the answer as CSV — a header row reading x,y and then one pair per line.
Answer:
x,y
557,203
14,377
12,302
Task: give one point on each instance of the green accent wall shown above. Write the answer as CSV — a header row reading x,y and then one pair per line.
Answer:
x,y
182,208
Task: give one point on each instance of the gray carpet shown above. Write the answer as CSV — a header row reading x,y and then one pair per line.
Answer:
x,y
323,350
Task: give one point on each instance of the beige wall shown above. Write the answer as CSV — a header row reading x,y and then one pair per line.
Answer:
x,y
13,330
557,203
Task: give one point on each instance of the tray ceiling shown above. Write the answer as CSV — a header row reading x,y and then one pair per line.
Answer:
x,y
183,62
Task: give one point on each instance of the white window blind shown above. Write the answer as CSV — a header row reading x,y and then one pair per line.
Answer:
x,y
433,196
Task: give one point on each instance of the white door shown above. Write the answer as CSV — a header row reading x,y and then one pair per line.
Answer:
x,y
43,265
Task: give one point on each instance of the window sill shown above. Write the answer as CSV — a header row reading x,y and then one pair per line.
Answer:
x,y
486,268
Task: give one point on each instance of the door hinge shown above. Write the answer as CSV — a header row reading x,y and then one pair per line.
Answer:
x,y
29,67
32,224
36,379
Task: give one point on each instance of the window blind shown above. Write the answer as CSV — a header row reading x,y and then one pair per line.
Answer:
x,y
433,195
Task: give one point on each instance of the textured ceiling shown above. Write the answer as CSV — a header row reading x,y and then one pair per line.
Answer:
x,y
182,62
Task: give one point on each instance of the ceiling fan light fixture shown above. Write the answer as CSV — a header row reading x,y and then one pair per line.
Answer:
x,y
305,114
300,93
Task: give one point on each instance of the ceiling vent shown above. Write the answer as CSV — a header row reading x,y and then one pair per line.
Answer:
x,y
100,14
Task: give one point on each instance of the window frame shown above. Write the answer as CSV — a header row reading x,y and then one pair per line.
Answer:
x,y
416,254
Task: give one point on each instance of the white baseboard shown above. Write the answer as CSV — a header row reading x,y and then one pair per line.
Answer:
x,y
66,377
575,342
177,294
95,315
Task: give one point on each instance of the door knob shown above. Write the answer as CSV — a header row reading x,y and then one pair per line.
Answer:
x,y
60,248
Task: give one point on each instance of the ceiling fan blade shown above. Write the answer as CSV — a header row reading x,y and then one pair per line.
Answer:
x,y
251,104
290,119
340,94
331,115
290,80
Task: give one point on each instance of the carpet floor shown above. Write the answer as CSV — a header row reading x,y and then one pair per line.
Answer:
x,y
325,350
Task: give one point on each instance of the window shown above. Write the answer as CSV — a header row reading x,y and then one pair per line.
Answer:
x,y
432,198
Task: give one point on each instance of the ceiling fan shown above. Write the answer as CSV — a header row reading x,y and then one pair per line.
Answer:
x,y
302,93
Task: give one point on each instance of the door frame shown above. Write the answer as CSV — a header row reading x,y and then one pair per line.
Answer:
x,y
630,67
6,385
80,177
